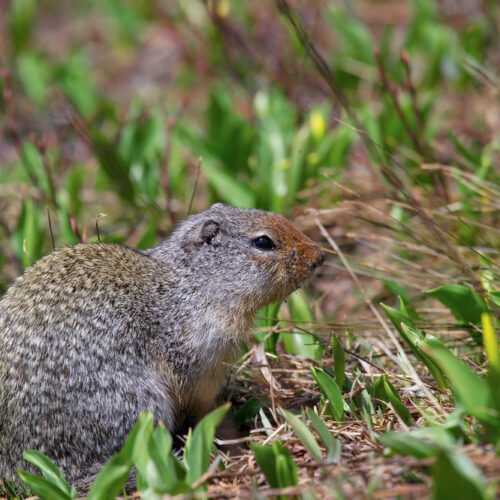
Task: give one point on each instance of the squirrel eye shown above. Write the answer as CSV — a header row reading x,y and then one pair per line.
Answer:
x,y
264,243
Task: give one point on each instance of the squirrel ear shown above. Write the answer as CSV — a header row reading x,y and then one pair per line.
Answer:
x,y
207,232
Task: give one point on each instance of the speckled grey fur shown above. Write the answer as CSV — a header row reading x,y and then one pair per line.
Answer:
x,y
94,334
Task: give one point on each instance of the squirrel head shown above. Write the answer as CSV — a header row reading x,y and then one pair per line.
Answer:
x,y
252,257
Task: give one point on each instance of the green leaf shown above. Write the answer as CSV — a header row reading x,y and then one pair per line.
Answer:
x,y
163,473
33,162
300,343
197,454
333,446
471,390
416,336
228,187
456,476
21,18
34,73
331,391
286,468
407,444
385,391
304,434
76,78
265,457
338,360
112,478
413,338
43,488
247,412
490,342
135,448
111,161
49,471
463,302
30,231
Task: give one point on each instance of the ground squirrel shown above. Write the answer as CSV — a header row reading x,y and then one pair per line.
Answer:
x,y
91,335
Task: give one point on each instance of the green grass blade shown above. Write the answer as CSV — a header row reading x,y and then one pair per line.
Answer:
x,y
455,476
331,391
304,434
48,469
471,390
43,488
265,457
338,360
197,454
332,445
463,302
112,478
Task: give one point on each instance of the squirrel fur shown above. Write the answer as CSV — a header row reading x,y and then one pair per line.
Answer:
x,y
94,334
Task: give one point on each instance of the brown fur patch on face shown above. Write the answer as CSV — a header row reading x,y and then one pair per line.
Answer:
x,y
295,256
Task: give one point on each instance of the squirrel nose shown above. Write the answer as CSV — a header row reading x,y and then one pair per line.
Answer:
x,y
320,258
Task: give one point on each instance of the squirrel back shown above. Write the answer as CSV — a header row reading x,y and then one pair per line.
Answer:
x,y
92,335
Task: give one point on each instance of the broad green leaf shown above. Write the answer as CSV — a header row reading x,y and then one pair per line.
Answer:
x,y
135,447
420,443
286,469
43,488
413,338
112,478
463,302
21,18
331,391
338,360
407,444
495,297
33,163
34,73
266,318
30,232
247,412
228,188
333,446
300,343
354,35
471,390
49,470
277,464
385,391
456,477
197,454
265,457
304,434
490,342
163,472
296,174
285,473
416,336
148,238
116,168
76,78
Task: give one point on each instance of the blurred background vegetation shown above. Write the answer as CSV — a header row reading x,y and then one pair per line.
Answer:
x,y
117,116
112,107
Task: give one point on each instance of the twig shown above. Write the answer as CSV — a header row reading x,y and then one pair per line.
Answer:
x,y
195,185
50,229
98,218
